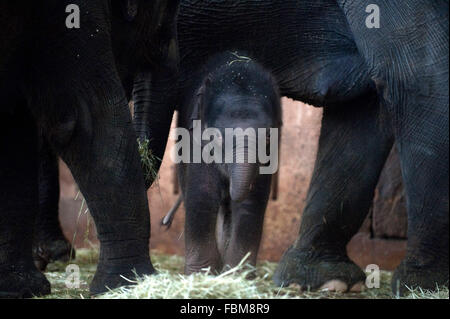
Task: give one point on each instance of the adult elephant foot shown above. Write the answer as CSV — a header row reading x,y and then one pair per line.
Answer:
x,y
111,277
23,282
316,270
411,275
49,251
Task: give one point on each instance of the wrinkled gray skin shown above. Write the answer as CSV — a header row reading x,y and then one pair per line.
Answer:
x,y
226,93
73,88
49,242
377,86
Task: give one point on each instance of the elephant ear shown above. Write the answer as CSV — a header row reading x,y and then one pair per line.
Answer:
x,y
199,101
130,9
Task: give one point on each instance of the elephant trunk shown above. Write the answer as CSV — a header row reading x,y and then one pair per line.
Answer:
x,y
141,110
242,177
153,97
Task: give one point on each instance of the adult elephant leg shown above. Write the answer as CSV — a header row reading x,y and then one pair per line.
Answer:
x,y
49,242
247,221
154,98
202,202
79,99
353,147
103,157
91,131
414,83
18,205
424,156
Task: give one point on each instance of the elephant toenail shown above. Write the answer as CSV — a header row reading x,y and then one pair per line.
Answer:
x,y
358,287
334,286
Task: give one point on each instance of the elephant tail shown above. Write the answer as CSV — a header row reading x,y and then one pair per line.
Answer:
x,y
168,219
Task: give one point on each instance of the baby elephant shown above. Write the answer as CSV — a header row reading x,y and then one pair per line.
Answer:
x,y
231,121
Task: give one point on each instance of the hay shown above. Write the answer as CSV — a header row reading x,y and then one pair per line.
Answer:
x,y
148,160
439,293
87,260
170,283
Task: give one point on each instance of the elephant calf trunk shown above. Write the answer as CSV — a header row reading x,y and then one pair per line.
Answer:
x,y
242,177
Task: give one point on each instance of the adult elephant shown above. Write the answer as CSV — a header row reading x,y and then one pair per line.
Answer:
x,y
376,85
71,81
155,41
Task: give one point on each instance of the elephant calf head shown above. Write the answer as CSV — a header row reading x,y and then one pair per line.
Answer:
x,y
239,99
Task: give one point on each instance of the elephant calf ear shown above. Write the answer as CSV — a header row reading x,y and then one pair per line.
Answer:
x,y
130,9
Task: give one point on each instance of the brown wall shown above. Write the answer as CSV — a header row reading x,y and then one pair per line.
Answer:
x,y
301,126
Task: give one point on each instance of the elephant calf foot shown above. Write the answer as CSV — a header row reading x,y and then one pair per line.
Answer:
x,y
206,267
315,270
48,251
107,278
212,265
23,282
410,275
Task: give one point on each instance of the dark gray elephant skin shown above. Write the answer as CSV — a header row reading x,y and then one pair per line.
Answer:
x,y
72,85
377,86
49,242
236,94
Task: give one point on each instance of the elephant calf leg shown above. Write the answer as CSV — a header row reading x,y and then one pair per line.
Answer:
x,y
247,221
352,151
18,206
200,235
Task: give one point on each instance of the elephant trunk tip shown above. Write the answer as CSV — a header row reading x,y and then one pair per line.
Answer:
x,y
236,196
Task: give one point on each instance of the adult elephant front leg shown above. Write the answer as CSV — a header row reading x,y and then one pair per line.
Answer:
x,y
84,112
424,158
353,147
103,157
408,56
